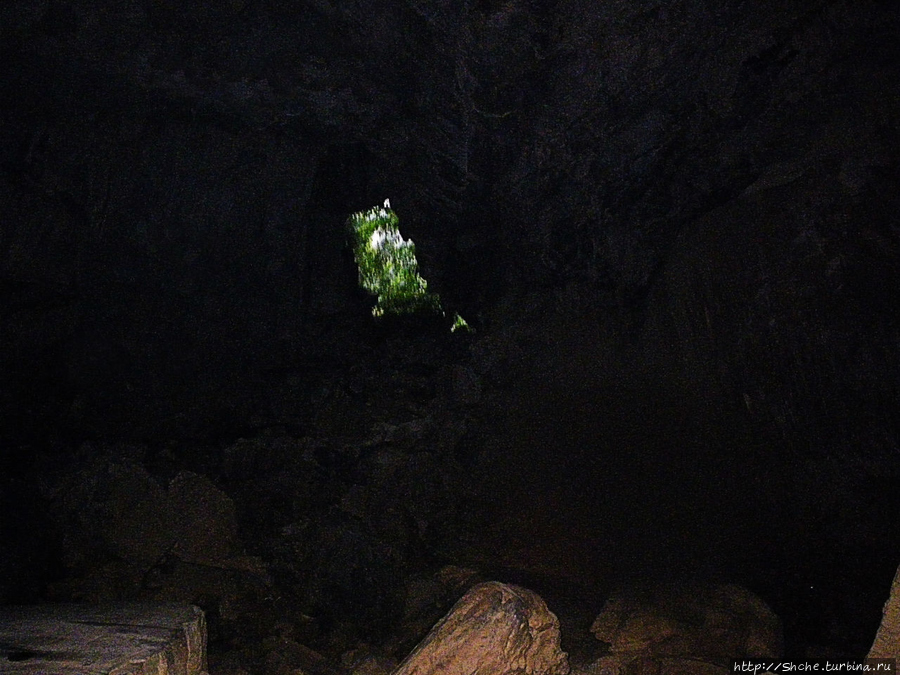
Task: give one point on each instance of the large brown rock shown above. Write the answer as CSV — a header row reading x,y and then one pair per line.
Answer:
x,y
494,629
693,629
887,640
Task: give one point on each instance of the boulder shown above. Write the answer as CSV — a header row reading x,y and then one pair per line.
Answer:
x,y
495,629
690,629
120,638
117,511
126,534
426,600
887,640
351,576
204,520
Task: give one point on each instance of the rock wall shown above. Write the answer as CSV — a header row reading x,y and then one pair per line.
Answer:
x,y
175,180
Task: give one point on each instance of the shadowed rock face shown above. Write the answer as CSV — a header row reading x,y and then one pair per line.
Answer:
x,y
175,179
713,623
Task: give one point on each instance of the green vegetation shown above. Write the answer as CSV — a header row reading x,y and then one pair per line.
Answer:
x,y
388,268
459,323
387,264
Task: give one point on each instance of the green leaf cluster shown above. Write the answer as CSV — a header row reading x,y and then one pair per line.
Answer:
x,y
387,264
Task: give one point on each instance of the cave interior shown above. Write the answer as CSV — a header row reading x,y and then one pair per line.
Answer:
x,y
672,228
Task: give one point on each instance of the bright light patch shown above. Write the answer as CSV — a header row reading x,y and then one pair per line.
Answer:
x,y
387,263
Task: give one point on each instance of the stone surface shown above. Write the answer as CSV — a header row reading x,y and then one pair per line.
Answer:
x,y
696,629
114,509
426,601
205,519
887,640
113,639
494,629
125,533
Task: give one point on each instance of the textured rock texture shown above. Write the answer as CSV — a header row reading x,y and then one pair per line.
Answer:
x,y
116,511
124,639
887,641
495,629
204,520
696,630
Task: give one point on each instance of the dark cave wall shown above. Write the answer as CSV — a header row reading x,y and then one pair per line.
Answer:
x,y
177,182
176,253
771,303
175,179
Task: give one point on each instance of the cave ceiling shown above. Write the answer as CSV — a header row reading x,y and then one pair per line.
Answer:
x,y
175,177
